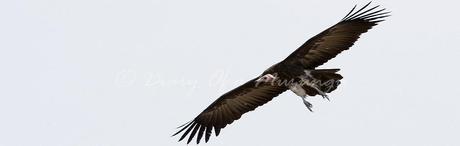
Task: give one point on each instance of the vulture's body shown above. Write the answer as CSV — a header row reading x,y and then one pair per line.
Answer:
x,y
297,73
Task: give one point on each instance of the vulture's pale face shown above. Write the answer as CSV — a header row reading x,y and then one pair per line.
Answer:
x,y
266,78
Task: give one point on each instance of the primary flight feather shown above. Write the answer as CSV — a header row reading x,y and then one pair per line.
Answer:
x,y
296,73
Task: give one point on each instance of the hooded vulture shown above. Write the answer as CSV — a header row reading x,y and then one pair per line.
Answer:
x,y
296,73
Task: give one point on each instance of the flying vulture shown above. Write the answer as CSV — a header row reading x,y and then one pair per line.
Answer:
x,y
296,73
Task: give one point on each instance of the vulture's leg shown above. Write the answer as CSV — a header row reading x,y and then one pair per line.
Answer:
x,y
320,92
299,91
307,79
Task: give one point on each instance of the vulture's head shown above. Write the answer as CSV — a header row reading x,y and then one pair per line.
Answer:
x,y
267,78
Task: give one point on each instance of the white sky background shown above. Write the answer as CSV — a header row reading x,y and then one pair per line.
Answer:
x,y
126,73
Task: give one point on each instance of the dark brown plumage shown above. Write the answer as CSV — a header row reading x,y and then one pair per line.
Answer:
x,y
229,107
313,53
329,43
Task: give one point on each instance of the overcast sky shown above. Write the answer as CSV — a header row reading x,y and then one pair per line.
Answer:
x,y
126,73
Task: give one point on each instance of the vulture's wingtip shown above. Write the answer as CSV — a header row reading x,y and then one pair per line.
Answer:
x,y
366,14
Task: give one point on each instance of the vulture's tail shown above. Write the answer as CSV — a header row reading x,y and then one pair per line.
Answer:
x,y
326,80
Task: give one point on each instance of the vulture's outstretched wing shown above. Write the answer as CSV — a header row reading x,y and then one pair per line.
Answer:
x,y
316,51
228,108
326,45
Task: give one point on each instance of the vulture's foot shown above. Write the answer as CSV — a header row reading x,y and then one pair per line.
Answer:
x,y
307,104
